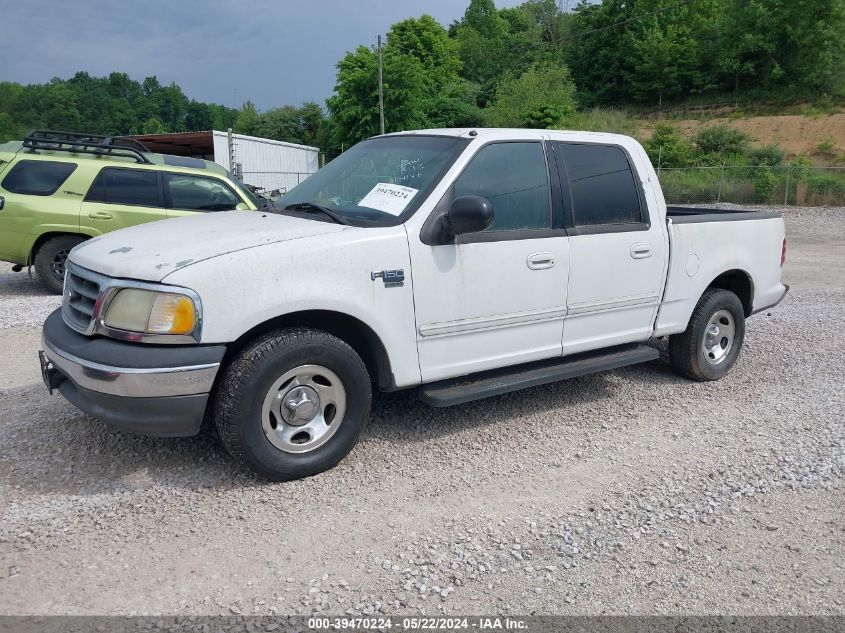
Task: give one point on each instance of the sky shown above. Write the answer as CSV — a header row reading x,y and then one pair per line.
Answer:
x,y
270,52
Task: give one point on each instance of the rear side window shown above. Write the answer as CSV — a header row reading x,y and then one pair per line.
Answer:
x,y
37,177
195,193
601,184
138,187
514,178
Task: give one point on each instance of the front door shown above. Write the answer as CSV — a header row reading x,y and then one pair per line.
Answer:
x,y
120,197
497,297
617,256
185,194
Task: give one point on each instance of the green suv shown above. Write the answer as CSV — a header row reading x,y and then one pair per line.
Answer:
x,y
58,189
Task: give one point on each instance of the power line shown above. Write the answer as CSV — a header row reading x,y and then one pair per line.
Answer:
x,y
621,23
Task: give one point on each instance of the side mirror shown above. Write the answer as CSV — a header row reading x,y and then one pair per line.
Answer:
x,y
469,214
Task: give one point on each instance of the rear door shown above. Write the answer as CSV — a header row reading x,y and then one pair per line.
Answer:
x,y
617,256
121,197
186,194
38,197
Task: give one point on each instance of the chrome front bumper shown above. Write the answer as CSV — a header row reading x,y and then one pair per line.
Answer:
x,y
130,381
158,390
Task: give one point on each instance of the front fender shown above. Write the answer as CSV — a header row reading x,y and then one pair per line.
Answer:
x,y
244,289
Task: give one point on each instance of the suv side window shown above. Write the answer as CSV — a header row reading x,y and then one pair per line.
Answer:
x,y
37,177
514,178
116,185
601,185
197,193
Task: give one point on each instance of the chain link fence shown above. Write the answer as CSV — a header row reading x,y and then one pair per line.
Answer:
x,y
788,185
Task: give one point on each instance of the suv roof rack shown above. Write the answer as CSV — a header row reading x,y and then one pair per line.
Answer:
x,y
79,143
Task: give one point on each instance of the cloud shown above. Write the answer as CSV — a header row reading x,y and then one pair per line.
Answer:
x,y
272,52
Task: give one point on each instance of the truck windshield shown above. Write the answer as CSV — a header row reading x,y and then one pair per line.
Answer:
x,y
380,181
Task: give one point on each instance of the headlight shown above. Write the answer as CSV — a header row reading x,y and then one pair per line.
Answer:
x,y
151,312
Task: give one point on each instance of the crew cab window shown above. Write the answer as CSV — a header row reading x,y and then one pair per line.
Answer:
x,y
514,178
195,193
601,185
115,185
37,177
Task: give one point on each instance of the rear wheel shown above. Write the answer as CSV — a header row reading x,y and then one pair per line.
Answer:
x,y
711,343
50,261
293,403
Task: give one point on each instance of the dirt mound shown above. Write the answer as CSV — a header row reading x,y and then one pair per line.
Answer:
x,y
822,136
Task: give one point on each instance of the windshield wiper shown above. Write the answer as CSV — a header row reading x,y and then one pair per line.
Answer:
x,y
313,207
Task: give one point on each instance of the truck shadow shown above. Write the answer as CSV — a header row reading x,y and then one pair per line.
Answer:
x,y
49,447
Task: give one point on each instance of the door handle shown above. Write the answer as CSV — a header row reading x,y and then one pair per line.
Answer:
x,y
100,215
539,261
2,202
641,250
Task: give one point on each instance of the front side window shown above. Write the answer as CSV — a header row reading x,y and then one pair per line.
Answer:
x,y
514,178
196,193
37,177
601,184
136,187
379,181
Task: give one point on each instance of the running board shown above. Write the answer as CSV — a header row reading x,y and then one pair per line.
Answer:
x,y
499,381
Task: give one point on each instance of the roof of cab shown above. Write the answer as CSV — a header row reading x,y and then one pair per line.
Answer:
x,y
480,132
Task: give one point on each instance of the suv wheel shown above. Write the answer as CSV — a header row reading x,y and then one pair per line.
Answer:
x,y
293,403
710,345
50,261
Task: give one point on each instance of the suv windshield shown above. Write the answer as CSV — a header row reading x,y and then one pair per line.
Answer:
x,y
243,189
380,181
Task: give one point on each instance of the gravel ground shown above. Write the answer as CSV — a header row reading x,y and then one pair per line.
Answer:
x,y
627,492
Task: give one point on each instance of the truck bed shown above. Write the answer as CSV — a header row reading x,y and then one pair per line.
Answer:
x,y
706,243
689,215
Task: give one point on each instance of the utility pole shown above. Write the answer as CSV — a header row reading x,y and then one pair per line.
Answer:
x,y
380,91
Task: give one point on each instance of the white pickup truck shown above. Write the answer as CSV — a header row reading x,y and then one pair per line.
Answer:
x,y
465,263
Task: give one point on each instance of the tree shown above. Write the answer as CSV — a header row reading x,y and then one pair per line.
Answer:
x,y
541,96
419,62
153,126
246,118
116,104
198,117
663,59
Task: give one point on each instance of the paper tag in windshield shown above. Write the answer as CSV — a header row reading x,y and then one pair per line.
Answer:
x,y
389,198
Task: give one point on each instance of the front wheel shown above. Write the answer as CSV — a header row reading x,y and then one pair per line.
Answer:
x,y
293,403
709,347
50,261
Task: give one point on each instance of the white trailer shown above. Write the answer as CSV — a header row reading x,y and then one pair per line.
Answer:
x,y
260,162
266,163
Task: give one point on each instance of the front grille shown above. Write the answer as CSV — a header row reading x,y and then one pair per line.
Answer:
x,y
80,298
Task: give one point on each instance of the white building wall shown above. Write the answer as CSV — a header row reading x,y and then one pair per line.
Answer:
x,y
266,163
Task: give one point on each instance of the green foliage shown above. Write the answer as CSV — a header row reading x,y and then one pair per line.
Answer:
x,y
645,50
288,123
115,104
599,120
768,156
422,87
721,141
667,148
540,97
765,184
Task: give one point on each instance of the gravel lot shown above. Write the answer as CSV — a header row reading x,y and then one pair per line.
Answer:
x,y
628,492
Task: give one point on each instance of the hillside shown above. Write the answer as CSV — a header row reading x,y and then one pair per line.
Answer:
x,y
821,136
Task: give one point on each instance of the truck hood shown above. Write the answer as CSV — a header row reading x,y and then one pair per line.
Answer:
x,y
150,252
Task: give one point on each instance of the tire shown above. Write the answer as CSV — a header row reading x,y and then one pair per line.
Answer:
x,y
710,345
273,405
50,261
